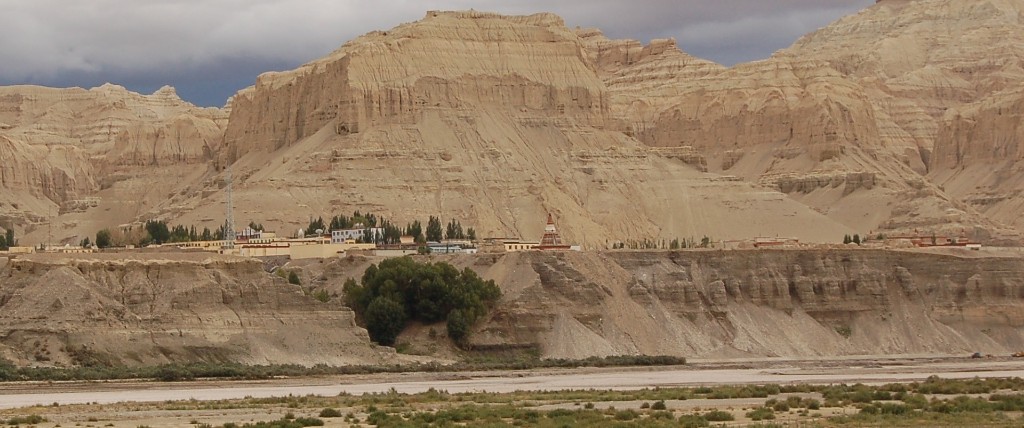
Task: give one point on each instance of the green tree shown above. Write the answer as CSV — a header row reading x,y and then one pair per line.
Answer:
x,y
434,232
103,239
856,239
427,292
458,326
415,230
9,237
315,225
454,231
158,231
3,243
85,243
471,234
385,319
847,239
705,242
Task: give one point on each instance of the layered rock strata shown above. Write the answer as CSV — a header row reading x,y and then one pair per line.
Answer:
x,y
138,309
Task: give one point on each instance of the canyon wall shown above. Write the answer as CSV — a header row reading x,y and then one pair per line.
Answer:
x,y
758,303
161,307
62,148
146,309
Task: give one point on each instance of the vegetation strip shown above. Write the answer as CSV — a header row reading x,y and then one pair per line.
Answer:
x,y
934,402
181,372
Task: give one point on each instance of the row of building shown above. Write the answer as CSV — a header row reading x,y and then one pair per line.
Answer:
x,y
257,243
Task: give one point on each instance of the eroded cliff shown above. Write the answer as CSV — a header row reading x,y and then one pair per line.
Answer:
x,y
864,95
68,151
146,309
494,120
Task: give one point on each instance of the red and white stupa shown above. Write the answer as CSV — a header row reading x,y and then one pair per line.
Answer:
x,y
551,241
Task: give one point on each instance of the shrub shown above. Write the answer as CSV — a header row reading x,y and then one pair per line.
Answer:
x,y
658,405
693,421
293,278
322,295
330,413
457,325
718,416
760,414
626,415
26,420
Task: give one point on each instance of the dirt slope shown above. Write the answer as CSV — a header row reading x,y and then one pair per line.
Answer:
x,y
715,304
155,308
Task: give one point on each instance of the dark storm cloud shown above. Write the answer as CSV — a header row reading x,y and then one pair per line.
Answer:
x,y
209,49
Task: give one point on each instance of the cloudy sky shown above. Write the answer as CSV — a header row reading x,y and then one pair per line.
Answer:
x,y
208,49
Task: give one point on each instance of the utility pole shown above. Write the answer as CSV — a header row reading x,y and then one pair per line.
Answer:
x,y
229,222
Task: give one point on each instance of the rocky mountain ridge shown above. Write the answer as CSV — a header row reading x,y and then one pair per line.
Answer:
x,y
68,150
866,125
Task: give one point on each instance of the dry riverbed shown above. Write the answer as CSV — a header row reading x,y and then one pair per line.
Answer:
x,y
132,404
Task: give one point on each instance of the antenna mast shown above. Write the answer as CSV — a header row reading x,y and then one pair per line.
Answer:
x,y
229,222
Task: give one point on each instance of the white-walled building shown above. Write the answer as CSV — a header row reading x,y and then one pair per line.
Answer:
x,y
341,236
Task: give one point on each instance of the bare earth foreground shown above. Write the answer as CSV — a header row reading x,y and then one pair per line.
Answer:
x,y
869,370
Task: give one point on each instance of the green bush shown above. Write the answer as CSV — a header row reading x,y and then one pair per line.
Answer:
x,y
24,420
626,415
293,278
760,414
718,416
457,325
426,292
693,421
658,405
330,413
322,295
385,319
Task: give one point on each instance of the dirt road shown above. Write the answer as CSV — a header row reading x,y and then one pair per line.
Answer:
x,y
14,396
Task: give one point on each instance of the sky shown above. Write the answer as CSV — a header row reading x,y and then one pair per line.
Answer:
x,y
209,49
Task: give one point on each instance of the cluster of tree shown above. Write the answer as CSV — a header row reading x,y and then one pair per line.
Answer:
x,y
388,232
654,244
7,240
342,222
855,239
400,290
452,231
155,232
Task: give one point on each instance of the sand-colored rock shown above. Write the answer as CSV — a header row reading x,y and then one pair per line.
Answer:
x,y
864,95
495,120
756,303
498,120
979,156
103,147
146,309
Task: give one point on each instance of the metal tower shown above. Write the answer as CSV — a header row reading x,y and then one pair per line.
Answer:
x,y
229,222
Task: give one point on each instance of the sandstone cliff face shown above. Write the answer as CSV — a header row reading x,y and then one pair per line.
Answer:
x,y
144,310
494,120
498,120
447,61
756,303
62,147
979,156
864,95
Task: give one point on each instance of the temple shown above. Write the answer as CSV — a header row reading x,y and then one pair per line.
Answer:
x,y
551,240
